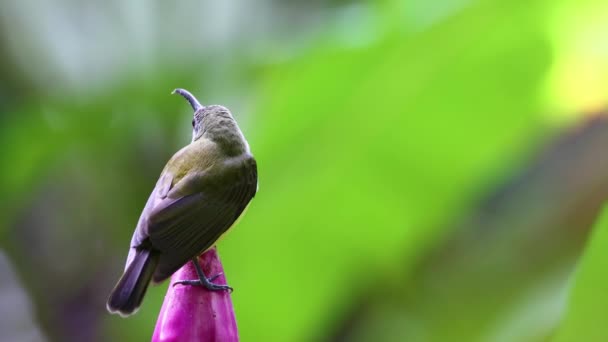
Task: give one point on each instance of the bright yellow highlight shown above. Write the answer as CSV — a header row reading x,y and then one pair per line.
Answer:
x,y
578,80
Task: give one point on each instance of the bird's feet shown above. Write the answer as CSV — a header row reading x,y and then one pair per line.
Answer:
x,y
208,285
204,281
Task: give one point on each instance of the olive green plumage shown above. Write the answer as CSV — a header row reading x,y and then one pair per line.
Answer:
x,y
201,192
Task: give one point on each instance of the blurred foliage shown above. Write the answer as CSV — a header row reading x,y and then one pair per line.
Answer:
x,y
584,318
383,126
390,124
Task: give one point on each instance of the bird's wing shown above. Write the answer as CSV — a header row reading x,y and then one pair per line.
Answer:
x,y
182,228
140,236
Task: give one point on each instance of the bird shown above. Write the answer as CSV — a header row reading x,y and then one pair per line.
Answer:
x,y
201,192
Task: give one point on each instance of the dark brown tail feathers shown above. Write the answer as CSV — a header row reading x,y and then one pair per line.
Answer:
x,y
128,293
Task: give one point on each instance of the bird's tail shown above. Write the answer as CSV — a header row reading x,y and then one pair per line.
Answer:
x,y
128,293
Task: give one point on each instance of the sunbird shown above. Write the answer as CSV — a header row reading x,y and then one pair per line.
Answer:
x,y
201,193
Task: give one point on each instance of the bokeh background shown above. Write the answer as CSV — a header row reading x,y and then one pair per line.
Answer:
x,y
429,170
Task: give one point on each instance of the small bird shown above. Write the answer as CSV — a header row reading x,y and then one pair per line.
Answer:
x,y
201,193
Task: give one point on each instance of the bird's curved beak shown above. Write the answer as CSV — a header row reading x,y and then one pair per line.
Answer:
x,y
191,99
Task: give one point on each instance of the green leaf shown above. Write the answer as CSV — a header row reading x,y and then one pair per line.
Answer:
x,y
585,318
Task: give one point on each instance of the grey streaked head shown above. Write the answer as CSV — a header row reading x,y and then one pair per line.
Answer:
x,y
216,123
198,109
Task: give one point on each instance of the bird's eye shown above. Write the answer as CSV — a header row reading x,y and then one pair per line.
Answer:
x,y
192,123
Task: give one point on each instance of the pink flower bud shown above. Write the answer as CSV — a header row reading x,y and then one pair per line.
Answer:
x,y
193,313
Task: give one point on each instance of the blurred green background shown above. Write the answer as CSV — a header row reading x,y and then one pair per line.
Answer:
x,y
428,170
